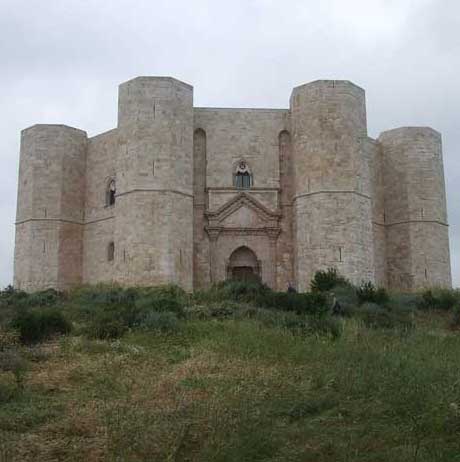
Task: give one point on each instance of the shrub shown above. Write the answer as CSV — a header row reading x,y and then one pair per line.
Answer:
x,y
244,291
11,296
439,299
106,328
12,361
367,292
325,325
164,321
455,321
103,295
347,299
403,301
48,297
378,317
8,339
159,302
128,307
200,312
303,303
324,281
36,326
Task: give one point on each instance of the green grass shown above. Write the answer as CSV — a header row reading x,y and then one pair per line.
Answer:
x,y
236,373
241,390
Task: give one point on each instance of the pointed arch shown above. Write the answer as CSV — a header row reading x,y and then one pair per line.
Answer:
x,y
242,175
110,192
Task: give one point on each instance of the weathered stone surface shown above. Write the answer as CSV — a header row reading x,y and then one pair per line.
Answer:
x,y
322,194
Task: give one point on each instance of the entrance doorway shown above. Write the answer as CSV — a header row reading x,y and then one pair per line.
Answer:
x,y
243,265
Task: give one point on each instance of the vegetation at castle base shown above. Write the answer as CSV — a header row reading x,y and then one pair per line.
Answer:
x,y
234,373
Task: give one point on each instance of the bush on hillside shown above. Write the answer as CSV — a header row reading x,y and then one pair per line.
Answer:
x,y
325,326
12,361
243,291
378,317
324,281
105,325
160,302
164,321
454,323
35,326
314,303
128,307
11,297
260,295
347,299
89,297
368,293
439,299
403,301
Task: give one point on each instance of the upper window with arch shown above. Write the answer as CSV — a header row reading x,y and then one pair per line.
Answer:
x,y
110,193
243,176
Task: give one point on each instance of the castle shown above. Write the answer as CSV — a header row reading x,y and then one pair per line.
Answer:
x,y
191,196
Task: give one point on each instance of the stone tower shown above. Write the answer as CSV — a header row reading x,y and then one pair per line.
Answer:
x,y
50,207
417,240
193,196
332,202
154,206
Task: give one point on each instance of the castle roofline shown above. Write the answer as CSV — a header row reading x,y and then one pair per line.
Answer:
x,y
329,81
410,129
237,109
165,78
43,126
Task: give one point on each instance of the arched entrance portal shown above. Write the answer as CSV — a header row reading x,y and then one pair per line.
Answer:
x,y
243,265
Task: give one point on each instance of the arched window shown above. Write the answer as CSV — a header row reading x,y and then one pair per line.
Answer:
x,y
243,176
111,251
110,193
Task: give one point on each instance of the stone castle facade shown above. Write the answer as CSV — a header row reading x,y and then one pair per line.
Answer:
x,y
191,196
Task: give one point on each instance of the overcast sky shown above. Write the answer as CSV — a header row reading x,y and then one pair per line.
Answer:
x,y
61,62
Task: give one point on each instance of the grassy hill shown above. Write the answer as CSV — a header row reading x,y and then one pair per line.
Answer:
x,y
237,373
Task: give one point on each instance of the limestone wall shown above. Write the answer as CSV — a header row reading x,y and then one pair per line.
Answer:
x,y
415,208
50,207
236,134
99,216
154,201
373,156
332,203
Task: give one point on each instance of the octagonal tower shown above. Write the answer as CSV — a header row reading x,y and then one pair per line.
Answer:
x,y
332,203
154,200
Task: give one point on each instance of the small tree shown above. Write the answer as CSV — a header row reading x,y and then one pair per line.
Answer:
x,y
323,281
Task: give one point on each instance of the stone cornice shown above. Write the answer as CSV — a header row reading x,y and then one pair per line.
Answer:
x,y
332,191
173,191
62,220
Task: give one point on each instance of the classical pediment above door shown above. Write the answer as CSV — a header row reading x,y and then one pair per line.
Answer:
x,y
243,214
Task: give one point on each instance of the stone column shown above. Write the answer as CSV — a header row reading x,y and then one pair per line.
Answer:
x,y
213,236
272,239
